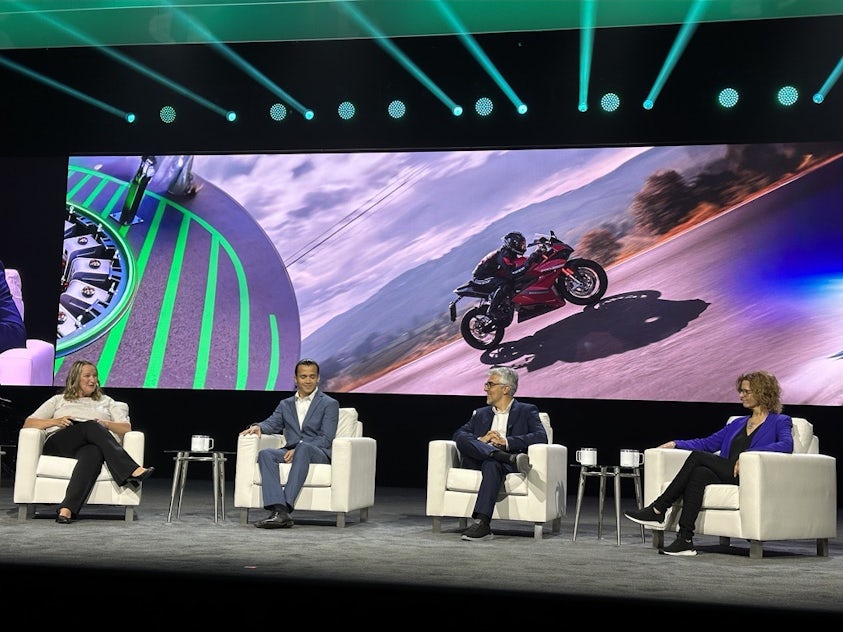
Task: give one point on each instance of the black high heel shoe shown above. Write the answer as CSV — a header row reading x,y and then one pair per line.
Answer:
x,y
140,478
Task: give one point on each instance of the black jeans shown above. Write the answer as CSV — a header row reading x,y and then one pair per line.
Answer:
x,y
700,469
91,445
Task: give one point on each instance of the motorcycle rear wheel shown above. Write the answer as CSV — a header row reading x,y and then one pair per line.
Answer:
x,y
590,286
478,331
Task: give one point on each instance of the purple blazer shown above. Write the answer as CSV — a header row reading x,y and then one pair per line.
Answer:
x,y
774,435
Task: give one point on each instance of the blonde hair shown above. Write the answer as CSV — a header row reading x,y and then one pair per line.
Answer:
x,y
71,384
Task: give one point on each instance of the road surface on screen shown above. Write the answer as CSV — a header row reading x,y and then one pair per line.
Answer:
x,y
681,321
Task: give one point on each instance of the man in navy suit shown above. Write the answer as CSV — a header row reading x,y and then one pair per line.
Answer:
x,y
12,330
308,420
495,441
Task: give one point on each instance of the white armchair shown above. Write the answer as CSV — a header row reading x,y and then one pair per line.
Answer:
x,y
538,497
42,479
32,365
780,496
346,484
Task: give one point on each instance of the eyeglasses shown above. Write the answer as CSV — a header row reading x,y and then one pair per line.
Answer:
x,y
489,385
744,391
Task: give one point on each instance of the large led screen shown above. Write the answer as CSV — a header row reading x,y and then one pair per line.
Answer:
x,y
220,271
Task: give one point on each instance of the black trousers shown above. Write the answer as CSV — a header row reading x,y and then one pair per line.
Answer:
x,y
698,470
91,445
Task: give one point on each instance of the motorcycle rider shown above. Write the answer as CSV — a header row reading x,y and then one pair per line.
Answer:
x,y
499,269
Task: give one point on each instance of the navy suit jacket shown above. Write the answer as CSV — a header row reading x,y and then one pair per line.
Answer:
x,y
319,427
12,330
523,427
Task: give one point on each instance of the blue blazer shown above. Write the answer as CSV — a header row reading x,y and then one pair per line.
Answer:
x,y
774,435
319,427
12,330
523,428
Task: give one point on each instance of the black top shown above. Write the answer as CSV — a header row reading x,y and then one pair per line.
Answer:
x,y
739,444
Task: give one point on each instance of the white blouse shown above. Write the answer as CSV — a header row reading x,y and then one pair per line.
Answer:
x,y
83,408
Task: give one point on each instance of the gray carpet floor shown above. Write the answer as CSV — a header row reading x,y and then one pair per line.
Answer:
x,y
396,554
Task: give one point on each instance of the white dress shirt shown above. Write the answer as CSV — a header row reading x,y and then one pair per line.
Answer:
x,y
500,420
303,404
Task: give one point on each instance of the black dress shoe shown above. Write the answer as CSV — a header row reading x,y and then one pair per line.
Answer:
x,y
276,520
140,478
63,519
520,461
503,457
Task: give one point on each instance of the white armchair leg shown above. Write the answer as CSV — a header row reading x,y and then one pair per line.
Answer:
x,y
437,524
537,530
130,514
756,549
340,520
364,514
822,547
26,511
244,515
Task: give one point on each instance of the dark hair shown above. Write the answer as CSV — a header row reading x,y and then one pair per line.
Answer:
x,y
71,384
306,362
765,387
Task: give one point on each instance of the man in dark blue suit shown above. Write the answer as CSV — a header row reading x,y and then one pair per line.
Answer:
x,y
308,420
12,330
495,441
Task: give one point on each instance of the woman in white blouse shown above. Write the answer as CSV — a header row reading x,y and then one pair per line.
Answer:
x,y
79,423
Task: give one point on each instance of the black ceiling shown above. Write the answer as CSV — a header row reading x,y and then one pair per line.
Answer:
x,y
44,110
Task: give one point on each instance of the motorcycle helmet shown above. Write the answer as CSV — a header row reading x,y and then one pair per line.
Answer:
x,y
516,242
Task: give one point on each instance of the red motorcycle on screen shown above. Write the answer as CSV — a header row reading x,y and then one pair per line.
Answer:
x,y
552,280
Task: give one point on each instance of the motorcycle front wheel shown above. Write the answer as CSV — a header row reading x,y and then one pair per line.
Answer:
x,y
587,286
479,331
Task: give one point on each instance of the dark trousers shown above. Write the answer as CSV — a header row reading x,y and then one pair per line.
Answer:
x,y
91,445
700,469
12,336
477,455
273,492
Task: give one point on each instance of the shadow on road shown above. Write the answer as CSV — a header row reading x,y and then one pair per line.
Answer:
x,y
616,324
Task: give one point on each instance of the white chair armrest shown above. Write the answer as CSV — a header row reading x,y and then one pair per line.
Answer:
x,y
660,466
134,443
442,455
548,463
248,447
547,480
788,495
353,462
30,446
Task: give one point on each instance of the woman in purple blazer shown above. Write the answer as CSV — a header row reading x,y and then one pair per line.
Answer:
x,y
715,459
